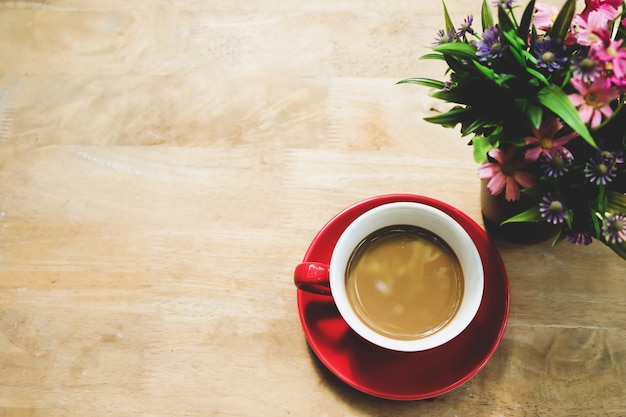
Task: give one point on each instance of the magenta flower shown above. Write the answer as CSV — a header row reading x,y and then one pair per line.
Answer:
x,y
505,172
613,59
591,5
592,100
592,29
545,142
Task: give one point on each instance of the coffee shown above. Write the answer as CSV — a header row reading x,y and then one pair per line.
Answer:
x,y
404,282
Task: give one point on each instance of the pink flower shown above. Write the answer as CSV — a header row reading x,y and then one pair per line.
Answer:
x,y
544,15
591,5
506,173
592,29
592,100
613,59
545,141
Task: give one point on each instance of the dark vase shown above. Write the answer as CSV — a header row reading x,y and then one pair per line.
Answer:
x,y
495,209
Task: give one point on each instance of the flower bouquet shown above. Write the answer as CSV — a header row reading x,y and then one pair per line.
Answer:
x,y
542,97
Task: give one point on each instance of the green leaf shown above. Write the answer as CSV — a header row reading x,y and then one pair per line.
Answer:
x,y
560,237
529,57
555,100
506,24
473,127
486,16
596,224
460,50
616,202
537,75
602,201
454,64
563,20
438,57
487,72
524,27
426,82
449,25
514,47
490,74
450,118
450,97
530,215
480,146
535,115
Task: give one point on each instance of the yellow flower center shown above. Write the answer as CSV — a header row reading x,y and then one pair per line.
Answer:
x,y
601,169
611,51
548,57
587,64
546,143
556,207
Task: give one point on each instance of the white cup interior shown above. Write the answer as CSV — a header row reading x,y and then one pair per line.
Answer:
x,y
437,222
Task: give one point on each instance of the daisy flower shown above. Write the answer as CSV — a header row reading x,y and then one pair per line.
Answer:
x,y
613,59
553,209
491,45
614,228
444,37
592,100
506,173
601,169
587,68
556,164
578,237
592,29
466,27
544,141
550,54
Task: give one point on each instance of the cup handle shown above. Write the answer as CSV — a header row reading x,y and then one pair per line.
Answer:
x,y
312,277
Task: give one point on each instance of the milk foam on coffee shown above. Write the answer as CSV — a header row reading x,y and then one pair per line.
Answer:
x,y
404,282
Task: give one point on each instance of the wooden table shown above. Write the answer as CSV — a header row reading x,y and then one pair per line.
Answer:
x,y
164,166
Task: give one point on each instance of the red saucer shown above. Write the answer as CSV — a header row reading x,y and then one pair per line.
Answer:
x,y
401,375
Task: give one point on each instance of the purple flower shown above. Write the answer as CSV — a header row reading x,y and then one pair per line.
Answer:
x,y
586,68
601,169
444,37
553,209
491,45
550,54
614,228
504,3
466,27
555,164
618,156
578,237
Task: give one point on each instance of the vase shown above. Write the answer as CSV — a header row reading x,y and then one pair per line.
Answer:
x,y
495,209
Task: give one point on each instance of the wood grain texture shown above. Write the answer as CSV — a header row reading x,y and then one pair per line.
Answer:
x,y
163,168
